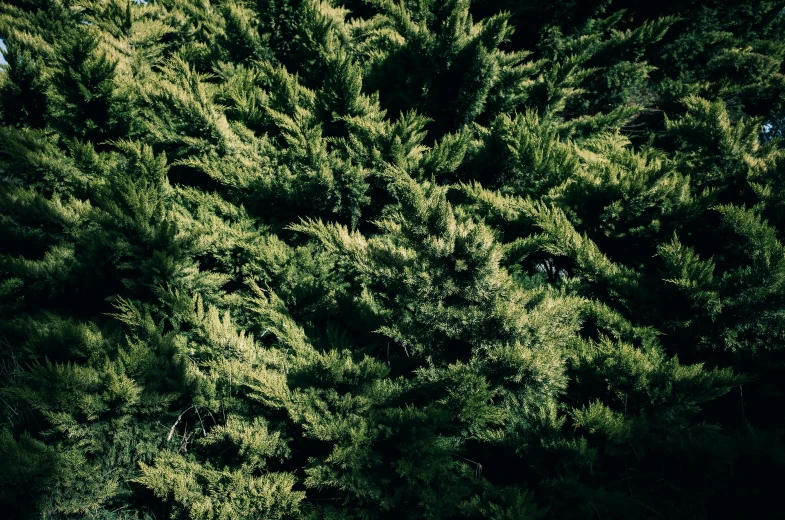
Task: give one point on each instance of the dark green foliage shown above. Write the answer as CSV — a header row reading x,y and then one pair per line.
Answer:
x,y
23,88
374,259
83,100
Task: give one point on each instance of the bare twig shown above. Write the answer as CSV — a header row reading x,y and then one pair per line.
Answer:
x,y
179,418
477,468
204,431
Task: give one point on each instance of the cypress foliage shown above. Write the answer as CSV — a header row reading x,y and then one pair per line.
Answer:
x,y
375,259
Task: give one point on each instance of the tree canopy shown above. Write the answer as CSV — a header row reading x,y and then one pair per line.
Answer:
x,y
392,259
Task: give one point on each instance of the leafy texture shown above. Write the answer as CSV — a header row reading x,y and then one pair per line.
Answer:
x,y
373,259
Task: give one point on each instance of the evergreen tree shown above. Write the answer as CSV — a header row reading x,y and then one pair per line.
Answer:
x,y
374,259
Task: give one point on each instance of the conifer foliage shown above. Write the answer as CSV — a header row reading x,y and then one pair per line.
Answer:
x,y
387,259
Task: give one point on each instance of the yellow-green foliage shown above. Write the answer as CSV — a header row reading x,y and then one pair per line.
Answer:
x,y
378,259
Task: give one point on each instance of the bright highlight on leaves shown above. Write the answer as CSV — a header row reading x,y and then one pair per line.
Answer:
x,y
374,259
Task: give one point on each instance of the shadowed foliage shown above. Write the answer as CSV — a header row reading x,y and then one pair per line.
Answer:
x,y
375,259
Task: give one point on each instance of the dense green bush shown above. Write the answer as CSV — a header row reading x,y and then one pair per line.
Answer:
x,y
379,260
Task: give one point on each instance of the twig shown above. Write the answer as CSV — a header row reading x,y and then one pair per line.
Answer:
x,y
185,438
179,418
477,468
9,407
204,432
